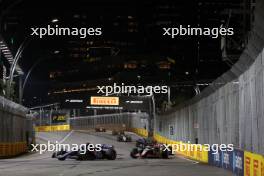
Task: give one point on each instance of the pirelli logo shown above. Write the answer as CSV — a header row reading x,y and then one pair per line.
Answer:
x,y
104,101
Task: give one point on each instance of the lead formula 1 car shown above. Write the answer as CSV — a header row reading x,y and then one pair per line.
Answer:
x,y
107,152
150,151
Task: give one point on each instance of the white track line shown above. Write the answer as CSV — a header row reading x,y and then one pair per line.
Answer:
x,y
65,137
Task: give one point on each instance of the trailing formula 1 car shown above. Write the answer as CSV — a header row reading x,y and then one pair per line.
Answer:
x,y
124,138
107,152
150,151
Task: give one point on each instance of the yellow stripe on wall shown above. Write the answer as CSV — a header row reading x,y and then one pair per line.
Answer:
x,y
140,131
12,149
52,128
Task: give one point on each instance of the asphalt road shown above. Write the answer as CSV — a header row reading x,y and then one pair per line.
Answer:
x,y
34,164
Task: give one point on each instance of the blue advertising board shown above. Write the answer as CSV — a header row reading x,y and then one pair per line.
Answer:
x,y
215,158
227,160
238,162
230,160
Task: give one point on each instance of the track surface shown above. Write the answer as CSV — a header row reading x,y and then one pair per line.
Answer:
x,y
35,164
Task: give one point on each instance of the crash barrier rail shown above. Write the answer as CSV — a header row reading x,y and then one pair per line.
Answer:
x,y
52,128
120,121
16,131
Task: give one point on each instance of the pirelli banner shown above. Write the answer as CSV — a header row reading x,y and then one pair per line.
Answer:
x,y
104,101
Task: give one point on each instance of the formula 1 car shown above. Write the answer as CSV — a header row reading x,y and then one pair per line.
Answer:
x,y
124,138
150,151
107,152
100,129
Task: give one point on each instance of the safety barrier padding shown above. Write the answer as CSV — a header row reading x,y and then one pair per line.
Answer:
x,y
140,131
12,149
52,128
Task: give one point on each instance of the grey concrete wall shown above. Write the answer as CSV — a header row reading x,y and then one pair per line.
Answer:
x,y
13,123
231,109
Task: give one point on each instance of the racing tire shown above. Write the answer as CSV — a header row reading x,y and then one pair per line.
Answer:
x,y
112,155
164,154
61,158
54,155
134,153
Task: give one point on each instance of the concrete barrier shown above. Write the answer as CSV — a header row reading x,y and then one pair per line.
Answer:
x,y
16,132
